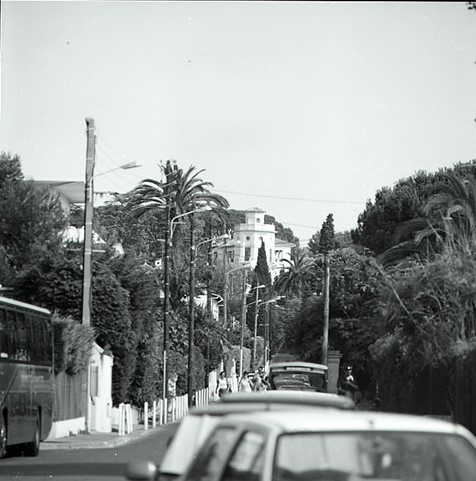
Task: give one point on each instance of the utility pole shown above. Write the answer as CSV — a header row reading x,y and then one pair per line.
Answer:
x,y
255,328
191,312
88,221
243,319
209,295
266,334
325,335
167,248
87,247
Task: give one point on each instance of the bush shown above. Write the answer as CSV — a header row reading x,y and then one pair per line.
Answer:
x,y
73,343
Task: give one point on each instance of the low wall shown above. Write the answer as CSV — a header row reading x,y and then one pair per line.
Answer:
x,y
69,427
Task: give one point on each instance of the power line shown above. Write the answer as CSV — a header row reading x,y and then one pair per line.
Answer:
x,y
293,198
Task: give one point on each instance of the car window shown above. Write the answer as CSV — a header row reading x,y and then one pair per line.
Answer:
x,y
376,456
188,438
211,459
247,460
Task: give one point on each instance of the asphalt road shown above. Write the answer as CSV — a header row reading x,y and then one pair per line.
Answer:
x,y
104,464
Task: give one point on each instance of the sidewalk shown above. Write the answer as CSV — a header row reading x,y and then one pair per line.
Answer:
x,y
98,440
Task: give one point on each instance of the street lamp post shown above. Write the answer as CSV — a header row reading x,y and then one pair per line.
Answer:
x,y
225,291
243,310
258,304
256,321
191,309
169,232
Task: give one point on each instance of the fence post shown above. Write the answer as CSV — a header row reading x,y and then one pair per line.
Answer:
x,y
128,418
146,416
154,413
120,420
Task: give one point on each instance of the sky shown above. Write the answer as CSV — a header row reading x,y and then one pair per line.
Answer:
x,y
298,108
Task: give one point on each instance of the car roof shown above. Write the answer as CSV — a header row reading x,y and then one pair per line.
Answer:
x,y
298,366
346,420
315,399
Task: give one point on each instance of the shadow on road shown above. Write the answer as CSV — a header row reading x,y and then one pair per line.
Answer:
x,y
70,469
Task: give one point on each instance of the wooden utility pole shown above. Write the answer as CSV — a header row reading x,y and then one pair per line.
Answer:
x,y
88,221
325,334
87,248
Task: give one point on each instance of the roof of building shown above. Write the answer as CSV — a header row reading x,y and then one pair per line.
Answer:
x,y
283,243
73,190
255,209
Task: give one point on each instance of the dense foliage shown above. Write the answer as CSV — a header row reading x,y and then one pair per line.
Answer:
x,y
401,286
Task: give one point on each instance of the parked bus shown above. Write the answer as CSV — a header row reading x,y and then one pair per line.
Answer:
x,y
26,376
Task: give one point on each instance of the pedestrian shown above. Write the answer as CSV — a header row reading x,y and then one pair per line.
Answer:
x,y
257,383
264,379
348,387
245,385
222,385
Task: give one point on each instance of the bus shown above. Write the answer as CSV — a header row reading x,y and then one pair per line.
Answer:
x,y
26,376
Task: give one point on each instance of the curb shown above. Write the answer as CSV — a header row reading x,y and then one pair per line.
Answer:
x,y
73,442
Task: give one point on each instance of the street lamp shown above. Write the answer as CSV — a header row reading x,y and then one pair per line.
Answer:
x,y
191,324
267,343
169,232
225,290
258,303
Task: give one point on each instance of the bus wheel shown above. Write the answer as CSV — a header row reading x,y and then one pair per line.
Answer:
x,y
33,448
3,437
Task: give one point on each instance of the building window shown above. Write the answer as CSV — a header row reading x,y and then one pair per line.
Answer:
x,y
231,256
247,253
248,237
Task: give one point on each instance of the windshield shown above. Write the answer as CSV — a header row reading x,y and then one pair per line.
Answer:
x,y
374,456
190,434
298,381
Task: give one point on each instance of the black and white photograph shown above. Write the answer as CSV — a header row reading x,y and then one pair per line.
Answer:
x,y
237,240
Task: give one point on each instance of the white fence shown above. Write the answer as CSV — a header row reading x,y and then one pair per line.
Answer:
x,y
161,412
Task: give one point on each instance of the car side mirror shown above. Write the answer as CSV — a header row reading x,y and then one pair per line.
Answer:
x,y
141,471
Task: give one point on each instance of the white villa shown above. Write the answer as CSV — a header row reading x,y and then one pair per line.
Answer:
x,y
243,247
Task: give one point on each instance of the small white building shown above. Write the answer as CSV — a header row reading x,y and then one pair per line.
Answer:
x,y
246,241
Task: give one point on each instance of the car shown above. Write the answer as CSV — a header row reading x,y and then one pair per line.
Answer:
x,y
272,399
199,422
344,446
297,375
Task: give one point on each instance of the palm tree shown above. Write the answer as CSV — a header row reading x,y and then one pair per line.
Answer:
x,y
290,280
447,221
182,192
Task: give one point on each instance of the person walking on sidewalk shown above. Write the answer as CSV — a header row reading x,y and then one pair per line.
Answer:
x,y
245,385
222,385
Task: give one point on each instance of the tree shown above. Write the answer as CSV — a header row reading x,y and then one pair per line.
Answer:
x,y
313,243
32,220
10,169
447,221
378,223
261,277
290,280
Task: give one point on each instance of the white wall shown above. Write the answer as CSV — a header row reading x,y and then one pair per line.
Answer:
x,y
100,400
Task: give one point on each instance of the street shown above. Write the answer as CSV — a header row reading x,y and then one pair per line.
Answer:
x,y
106,464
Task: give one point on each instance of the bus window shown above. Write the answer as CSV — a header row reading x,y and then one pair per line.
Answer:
x,y
11,329
22,352
3,335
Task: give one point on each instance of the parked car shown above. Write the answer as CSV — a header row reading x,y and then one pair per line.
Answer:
x,y
199,422
353,446
297,375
